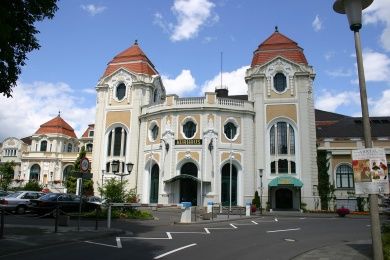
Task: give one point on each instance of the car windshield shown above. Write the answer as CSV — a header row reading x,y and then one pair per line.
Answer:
x,y
14,195
50,196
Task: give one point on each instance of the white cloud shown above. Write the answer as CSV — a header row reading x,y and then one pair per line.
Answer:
x,y
331,102
191,15
329,55
339,73
317,24
93,9
379,12
36,103
183,83
89,90
376,66
381,107
234,80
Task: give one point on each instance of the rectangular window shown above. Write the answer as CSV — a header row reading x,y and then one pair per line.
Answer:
x,y
272,140
91,133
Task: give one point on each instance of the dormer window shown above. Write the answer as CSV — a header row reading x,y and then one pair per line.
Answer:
x,y
280,82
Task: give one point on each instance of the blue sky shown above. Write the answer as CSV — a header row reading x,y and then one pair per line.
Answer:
x,y
184,39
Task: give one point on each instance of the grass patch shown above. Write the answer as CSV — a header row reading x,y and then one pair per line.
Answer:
x,y
125,213
386,241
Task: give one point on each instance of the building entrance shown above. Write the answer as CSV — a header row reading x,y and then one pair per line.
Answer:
x,y
225,183
154,180
284,199
188,185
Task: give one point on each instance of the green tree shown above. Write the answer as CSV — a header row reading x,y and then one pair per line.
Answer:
x,y
6,174
33,185
324,187
17,36
113,191
71,180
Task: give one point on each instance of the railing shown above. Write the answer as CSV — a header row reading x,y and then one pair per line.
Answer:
x,y
190,101
230,102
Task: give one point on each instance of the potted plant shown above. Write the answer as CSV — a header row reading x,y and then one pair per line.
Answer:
x,y
342,211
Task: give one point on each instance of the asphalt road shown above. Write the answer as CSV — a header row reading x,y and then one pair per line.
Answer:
x,y
259,238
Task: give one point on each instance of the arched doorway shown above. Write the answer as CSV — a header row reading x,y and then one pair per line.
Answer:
x,y
67,171
283,198
225,185
188,186
35,172
154,181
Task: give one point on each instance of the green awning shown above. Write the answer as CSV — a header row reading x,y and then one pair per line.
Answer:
x,y
285,180
182,177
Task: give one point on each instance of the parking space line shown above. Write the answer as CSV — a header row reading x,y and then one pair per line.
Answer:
x,y
101,244
175,250
283,230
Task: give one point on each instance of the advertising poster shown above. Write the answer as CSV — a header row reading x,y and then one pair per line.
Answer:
x,y
370,171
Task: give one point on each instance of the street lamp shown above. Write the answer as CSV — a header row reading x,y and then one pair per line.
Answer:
x,y
115,170
51,177
353,9
261,190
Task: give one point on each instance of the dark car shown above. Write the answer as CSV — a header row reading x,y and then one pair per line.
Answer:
x,y
67,203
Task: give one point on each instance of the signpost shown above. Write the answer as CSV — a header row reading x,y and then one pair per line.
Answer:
x,y
84,168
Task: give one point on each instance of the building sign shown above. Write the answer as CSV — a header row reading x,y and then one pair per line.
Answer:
x,y
188,142
370,171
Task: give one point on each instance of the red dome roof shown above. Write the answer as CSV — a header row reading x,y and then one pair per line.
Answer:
x,y
278,45
132,59
56,125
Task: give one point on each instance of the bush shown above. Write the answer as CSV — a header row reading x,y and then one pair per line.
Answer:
x,y
33,185
256,200
122,213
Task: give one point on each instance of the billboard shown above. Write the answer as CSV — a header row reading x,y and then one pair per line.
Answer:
x,y
370,171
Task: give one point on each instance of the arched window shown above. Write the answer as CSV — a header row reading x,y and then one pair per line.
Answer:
x,y
120,91
35,172
70,148
344,176
67,171
43,146
189,129
155,96
154,132
89,147
230,130
282,148
116,141
280,82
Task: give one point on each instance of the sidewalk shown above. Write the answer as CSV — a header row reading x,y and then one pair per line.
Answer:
x,y
18,237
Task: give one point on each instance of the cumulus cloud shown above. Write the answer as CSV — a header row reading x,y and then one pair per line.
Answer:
x,y
376,66
93,9
341,72
36,103
379,12
234,80
381,107
317,24
332,101
191,16
329,55
183,83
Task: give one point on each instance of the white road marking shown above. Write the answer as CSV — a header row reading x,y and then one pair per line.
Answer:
x,y
276,220
233,225
289,240
173,251
302,218
100,244
254,222
283,230
118,242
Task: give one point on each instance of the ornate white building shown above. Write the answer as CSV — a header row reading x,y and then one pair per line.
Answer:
x,y
188,149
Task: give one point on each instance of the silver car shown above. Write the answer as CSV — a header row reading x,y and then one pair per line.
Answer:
x,y
19,200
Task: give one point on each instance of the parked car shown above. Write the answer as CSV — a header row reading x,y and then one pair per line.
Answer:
x,y
66,202
4,193
19,200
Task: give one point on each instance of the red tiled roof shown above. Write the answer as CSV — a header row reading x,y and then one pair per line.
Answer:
x,y
90,127
132,59
56,125
278,45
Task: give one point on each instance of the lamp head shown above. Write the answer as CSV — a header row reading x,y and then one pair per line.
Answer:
x,y
129,167
115,166
353,9
261,173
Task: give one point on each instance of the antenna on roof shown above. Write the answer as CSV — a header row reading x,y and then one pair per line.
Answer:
x,y
276,29
136,42
59,113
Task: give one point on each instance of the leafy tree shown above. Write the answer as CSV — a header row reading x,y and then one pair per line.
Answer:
x,y
256,200
113,191
17,36
6,174
33,185
324,187
71,180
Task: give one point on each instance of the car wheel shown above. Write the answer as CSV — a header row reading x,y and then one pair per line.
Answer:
x,y
20,210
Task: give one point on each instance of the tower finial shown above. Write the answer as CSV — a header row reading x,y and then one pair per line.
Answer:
x,y
136,42
276,29
59,113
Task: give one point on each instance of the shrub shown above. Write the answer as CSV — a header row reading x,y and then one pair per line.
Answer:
x,y
33,185
256,200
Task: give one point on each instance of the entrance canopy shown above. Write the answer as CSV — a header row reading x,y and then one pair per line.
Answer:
x,y
184,177
285,180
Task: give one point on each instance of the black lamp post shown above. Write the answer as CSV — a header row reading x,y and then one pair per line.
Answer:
x,y
115,169
261,190
353,9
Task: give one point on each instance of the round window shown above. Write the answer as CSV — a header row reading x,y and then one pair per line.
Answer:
x,y
189,129
280,82
230,130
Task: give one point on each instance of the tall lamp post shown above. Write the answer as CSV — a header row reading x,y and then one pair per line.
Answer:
x,y
353,9
261,190
115,170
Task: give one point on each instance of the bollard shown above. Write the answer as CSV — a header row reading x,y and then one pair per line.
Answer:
x,y
248,209
186,213
96,218
2,223
209,207
109,217
56,218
